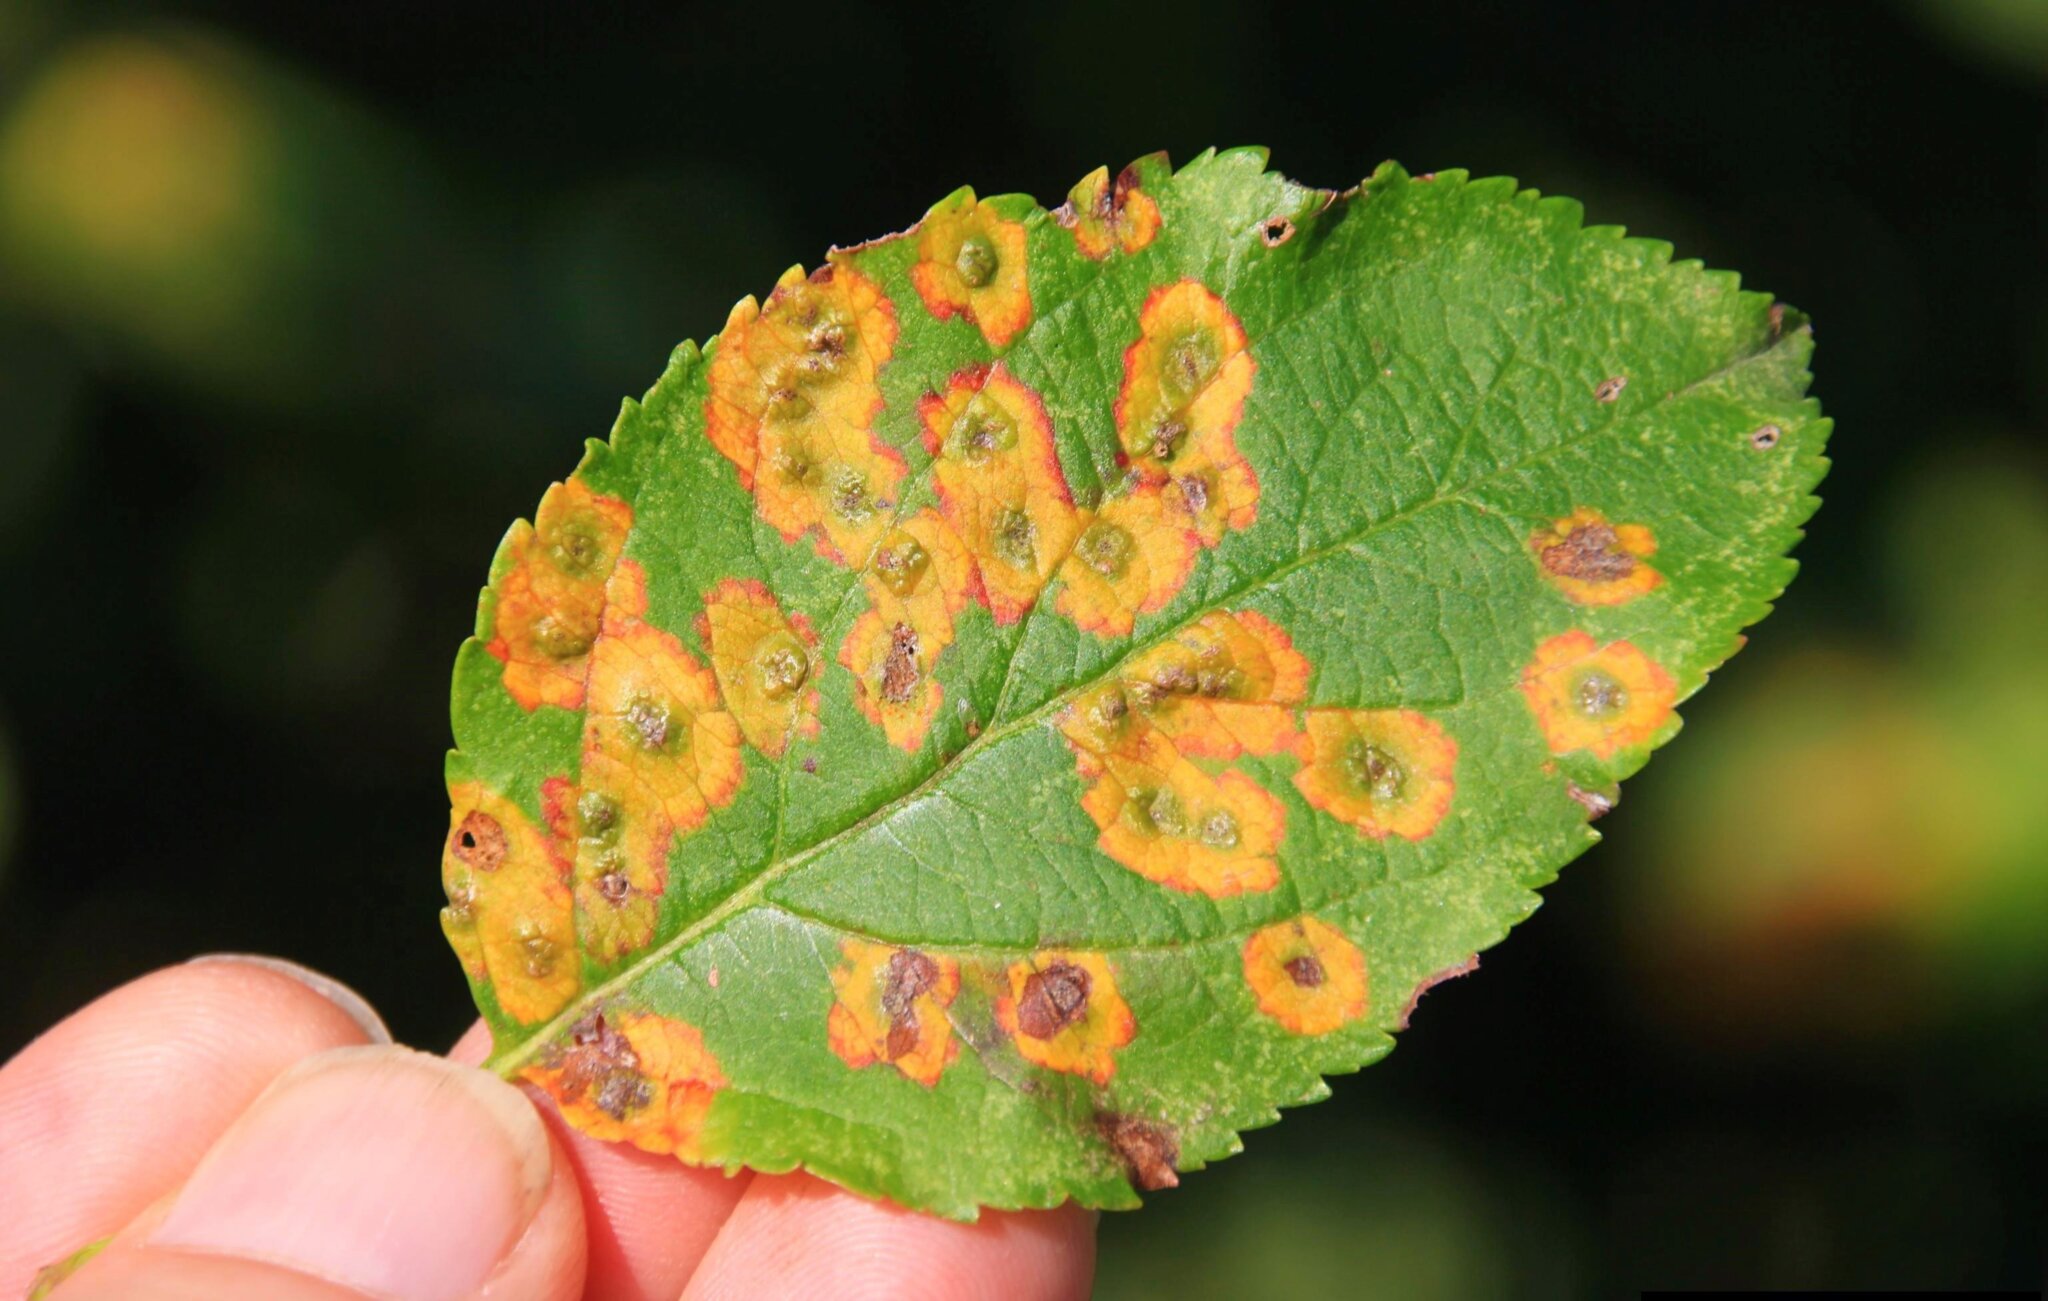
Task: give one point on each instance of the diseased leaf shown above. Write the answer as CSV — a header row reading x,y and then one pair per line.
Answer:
x,y
1042,690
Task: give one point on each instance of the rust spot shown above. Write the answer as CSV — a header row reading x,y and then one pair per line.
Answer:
x,y
1275,231
1592,553
1596,804
600,1065
909,976
899,666
614,887
1609,389
1305,971
1464,968
1777,319
479,842
811,763
1053,999
1147,1149
1764,439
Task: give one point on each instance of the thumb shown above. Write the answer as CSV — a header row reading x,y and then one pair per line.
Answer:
x,y
362,1171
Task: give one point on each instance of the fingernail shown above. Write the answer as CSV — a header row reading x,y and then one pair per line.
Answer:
x,y
354,1005
382,1169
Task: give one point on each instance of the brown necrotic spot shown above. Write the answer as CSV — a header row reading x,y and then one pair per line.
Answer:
x,y
1607,390
1305,971
900,673
479,843
1591,553
1148,1150
600,1064
1053,999
909,976
1275,231
1194,490
1764,439
1189,364
1167,439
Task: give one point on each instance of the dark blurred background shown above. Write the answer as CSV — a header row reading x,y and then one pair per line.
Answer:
x,y
300,305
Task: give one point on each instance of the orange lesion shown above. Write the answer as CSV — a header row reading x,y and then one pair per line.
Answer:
x,y
1387,772
1604,699
766,663
971,262
894,687
549,603
1130,558
921,574
1064,1013
1185,382
997,473
1593,561
793,404
1306,974
1108,215
660,751
635,1077
1226,685
1171,822
510,915
889,1005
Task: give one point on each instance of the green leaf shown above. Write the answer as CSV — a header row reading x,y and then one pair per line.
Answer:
x,y
1042,691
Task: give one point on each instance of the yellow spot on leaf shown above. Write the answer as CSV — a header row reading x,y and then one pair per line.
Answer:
x,y
550,602
1306,975
1599,698
1106,215
998,477
1131,558
793,404
767,663
1063,1012
1594,562
971,263
509,914
889,1005
1388,772
633,1077
1224,686
1185,382
1171,822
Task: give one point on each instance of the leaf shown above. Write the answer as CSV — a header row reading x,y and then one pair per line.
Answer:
x,y
1043,690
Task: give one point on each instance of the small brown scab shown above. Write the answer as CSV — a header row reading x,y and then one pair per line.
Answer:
x,y
1148,1150
1305,971
1591,553
909,976
1053,999
899,667
599,1064
1609,389
811,763
1777,320
614,887
1275,231
1764,439
479,842
1597,804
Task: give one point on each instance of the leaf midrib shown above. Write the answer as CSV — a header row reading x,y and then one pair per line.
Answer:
x,y
751,894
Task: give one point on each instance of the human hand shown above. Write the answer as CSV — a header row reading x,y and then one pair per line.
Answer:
x,y
243,1129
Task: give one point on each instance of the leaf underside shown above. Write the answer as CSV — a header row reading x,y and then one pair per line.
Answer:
x,y
1040,692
